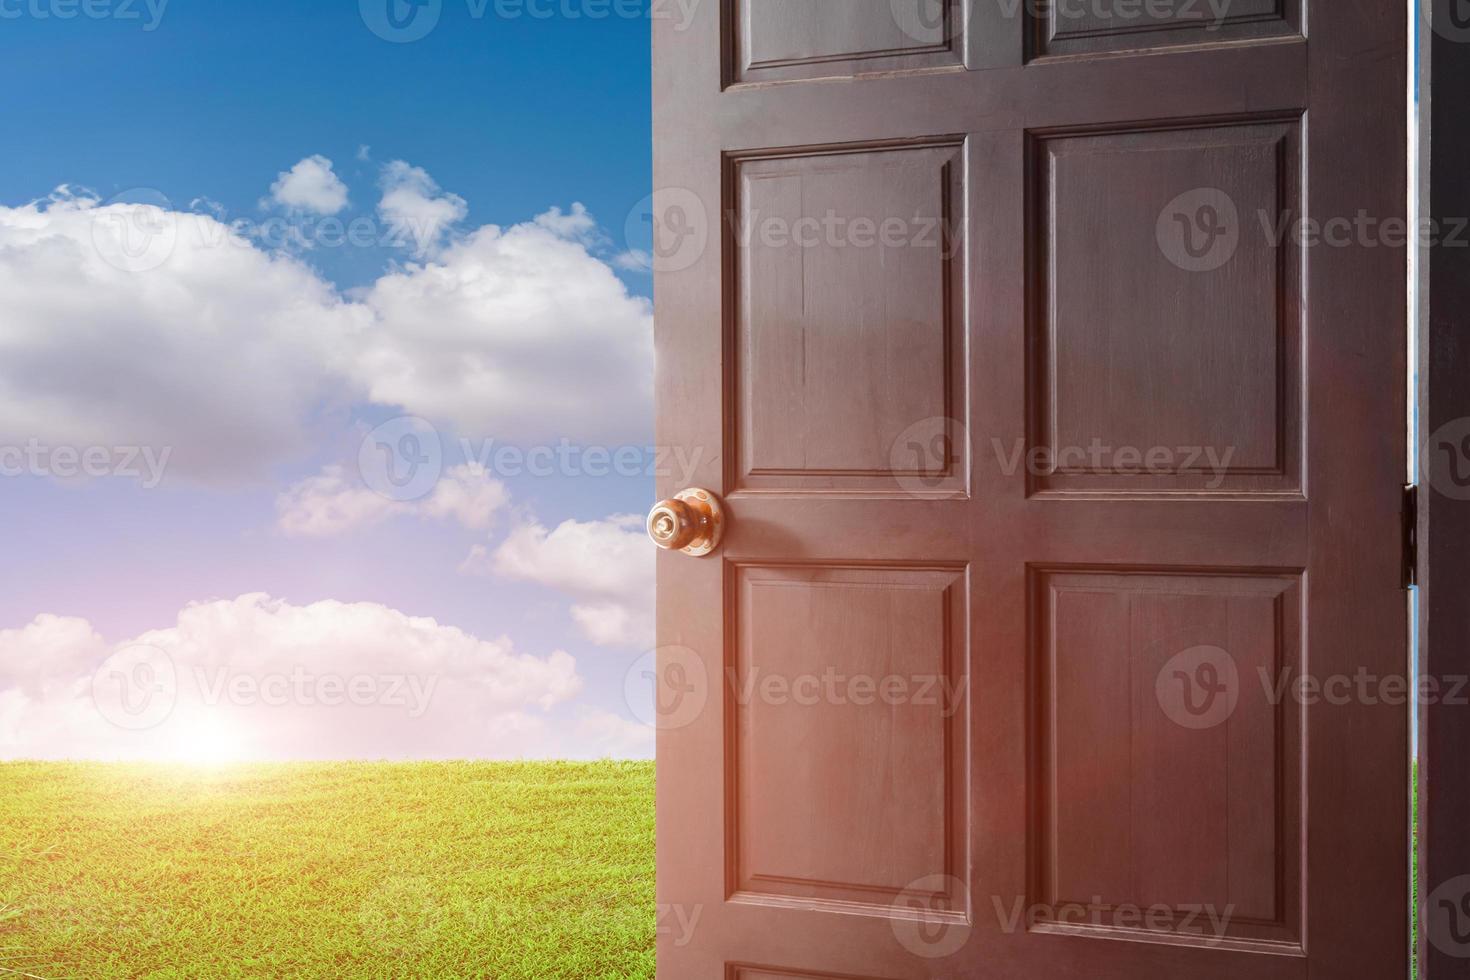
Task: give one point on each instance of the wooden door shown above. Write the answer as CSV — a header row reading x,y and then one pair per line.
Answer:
x,y
1053,458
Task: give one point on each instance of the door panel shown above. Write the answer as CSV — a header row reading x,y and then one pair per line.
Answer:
x,y
873,800
848,330
774,40
1075,27
1088,443
1170,777
1118,337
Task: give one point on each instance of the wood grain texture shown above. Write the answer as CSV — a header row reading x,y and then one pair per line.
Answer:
x,y
1069,27
848,324
1328,894
851,680
775,40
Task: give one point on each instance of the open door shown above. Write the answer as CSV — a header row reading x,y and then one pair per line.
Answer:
x,y
1046,367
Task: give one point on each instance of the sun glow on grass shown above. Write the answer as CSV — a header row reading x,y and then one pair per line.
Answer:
x,y
505,870
207,740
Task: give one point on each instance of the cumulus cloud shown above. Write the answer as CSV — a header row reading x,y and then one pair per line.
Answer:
x,y
332,503
310,186
260,678
606,566
132,325
514,333
48,654
417,211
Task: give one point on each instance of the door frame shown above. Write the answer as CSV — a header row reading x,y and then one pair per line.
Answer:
x,y
1443,522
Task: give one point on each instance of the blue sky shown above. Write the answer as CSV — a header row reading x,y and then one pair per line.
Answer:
x,y
513,114
503,117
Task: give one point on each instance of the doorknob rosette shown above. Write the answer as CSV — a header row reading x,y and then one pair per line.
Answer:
x,y
693,522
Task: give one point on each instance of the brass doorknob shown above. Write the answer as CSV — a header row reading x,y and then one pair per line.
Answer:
x,y
692,522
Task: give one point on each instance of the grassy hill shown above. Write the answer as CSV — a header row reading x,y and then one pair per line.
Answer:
x,y
506,870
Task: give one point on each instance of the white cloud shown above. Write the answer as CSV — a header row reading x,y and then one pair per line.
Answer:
x,y
48,652
137,326
129,326
607,567
332,503
417,211
634,260
329,503
311,186
469,494
514,333
260,678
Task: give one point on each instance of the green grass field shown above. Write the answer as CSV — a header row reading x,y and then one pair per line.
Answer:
x,y
341,870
